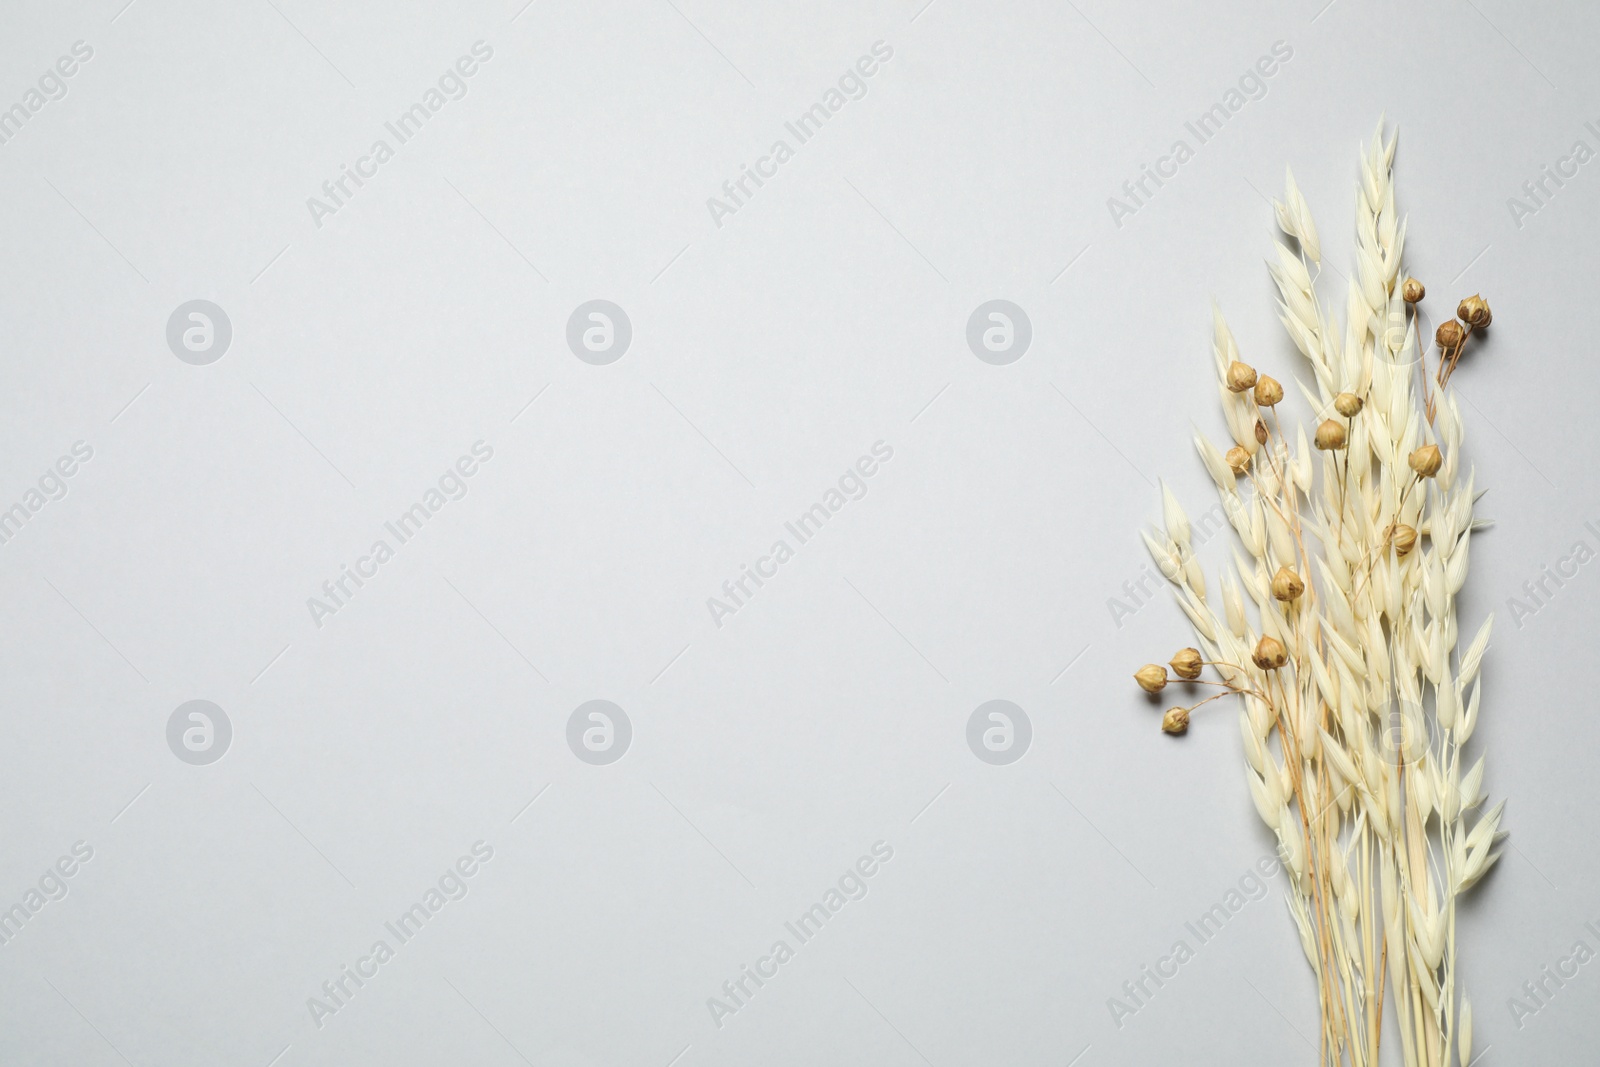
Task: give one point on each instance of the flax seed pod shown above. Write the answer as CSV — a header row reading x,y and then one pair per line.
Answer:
x,y
1268,392
1241,377
1152,677
1287,585
1330,436
1450,335
1474,311
1426,461
1187,664
1269,654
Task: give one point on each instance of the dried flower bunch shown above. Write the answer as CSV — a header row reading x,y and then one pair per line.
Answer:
x,y
1336,630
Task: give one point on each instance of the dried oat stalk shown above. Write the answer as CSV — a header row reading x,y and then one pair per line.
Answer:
x,y
1336,630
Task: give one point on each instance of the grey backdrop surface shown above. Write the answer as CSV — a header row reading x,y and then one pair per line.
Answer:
x,y
775,341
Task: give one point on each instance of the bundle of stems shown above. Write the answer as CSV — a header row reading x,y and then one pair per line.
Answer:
x,y
1336,632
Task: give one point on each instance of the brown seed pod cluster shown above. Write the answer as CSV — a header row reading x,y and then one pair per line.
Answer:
x,y
1471,314
1152,678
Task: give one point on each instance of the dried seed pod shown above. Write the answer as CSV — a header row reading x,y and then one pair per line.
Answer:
x,y
1175,721
1261,432
1403,537
1330,436
1286,585
1474,311
1413,291
1426,461
1238,459
1152,677
1450,335
1241,376
1269,654
1348,404
1187,663
1268,392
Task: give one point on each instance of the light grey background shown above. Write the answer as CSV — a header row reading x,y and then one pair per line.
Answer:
x,y
769,353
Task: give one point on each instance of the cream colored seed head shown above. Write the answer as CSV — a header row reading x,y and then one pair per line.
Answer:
x,y
1268,392
1474,311
1241,376
1152,677
1269,654
1330,436
1187,663
1175,721
1426,461
1286,585
1347,404
1413,291
1237,459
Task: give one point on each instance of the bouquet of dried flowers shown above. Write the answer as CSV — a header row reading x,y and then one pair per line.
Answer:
x,y
1336,631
